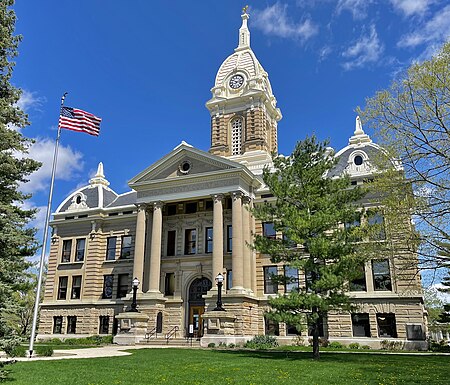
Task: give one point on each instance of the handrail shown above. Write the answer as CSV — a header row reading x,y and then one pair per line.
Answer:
x,y
172,332
151,333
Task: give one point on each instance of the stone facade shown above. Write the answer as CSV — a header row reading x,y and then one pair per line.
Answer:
x,y
186,219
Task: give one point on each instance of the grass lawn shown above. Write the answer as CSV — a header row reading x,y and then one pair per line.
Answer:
x,y
180,366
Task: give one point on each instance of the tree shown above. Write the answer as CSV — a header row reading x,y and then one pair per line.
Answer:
x,y
412,121
310,211
16,239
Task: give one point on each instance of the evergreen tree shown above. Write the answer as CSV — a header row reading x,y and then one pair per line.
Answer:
x,y
16,239
311,212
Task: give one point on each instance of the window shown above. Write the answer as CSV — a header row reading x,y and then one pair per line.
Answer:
x,y
291,330
311,277
209,240
76,287
122,286
191,208
359,282
62,287
111,248
291,275
269,230
271,327
381,275
229,238
125,251
352,228
386,325
270,287
190,241
108,281
57,325
376,220
415,332
103,324
169,284
171,242
320,326
229,279
71,324
171,209
79,254
66,250
209,205
236,134
360,325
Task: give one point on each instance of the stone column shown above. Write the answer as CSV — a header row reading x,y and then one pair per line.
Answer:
x,y
139,246
236,254
155,251
217,258
246,243
253,252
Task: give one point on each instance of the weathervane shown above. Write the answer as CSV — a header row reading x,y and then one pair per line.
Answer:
x,y
244,10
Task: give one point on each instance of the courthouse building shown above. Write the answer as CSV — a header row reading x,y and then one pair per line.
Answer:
x,y
186,219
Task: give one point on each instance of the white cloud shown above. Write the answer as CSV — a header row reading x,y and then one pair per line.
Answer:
x,y
444,297
366,50
324,52
434,31
27,101
70,162
358,8
274,21
411,7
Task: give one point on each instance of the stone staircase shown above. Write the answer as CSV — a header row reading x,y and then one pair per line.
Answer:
x,y
173,342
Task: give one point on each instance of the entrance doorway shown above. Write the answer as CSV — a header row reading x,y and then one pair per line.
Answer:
x,y
198,288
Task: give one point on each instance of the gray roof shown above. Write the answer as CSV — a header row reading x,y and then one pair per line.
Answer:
x,y
126,199
341,165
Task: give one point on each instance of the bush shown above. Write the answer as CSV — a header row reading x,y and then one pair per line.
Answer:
x,y
211,345
107,339
335,345
18,351
354,345
44,350
54,341
10,345
440,347
298,341
391,345
3,372
261,342
222,345
231,346
365,347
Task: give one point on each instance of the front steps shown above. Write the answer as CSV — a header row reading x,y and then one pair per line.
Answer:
x,y
173,342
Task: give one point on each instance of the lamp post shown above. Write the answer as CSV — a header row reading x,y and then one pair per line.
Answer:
x,y
135,287
219,282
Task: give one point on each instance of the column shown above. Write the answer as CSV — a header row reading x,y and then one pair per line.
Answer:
x,y
253,252
139,246
217,258
236,254
155,251
246,243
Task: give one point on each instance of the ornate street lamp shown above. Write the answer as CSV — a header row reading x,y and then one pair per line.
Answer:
x,y
135,287
219,282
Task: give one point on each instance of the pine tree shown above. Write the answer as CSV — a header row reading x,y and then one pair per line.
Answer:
x,y
310,211
16,239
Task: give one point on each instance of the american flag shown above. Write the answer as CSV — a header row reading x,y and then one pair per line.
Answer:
x,y
79,120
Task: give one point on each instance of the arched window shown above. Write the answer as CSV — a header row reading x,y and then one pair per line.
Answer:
x,y
236,136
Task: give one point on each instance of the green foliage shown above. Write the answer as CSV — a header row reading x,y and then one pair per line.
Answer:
x,y
91,340
18,351
391,345
354,345
335,345
365,347
211,345
44,350
261,342
310,210
10,345
441,347
231,346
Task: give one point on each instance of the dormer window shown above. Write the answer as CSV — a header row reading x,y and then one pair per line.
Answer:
x,y
358,159
236,136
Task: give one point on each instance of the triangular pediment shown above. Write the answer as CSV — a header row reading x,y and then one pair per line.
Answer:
x,y
184,162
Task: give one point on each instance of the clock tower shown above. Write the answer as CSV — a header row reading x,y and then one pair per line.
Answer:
x,y
244,112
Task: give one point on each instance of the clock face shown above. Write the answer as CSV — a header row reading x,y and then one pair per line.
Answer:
x,y
236,81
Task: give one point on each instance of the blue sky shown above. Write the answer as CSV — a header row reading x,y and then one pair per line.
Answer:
x,y
147,67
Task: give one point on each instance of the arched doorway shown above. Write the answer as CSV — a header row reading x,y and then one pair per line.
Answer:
x,y
198,288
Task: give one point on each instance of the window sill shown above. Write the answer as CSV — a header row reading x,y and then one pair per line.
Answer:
x,y
70,263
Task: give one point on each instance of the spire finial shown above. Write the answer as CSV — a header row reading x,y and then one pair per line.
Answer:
x,y
358,127
359,136
244,33
99,177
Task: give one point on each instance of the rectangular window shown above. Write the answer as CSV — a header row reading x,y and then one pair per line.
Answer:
x,y
270,287
103,324
169,284
125,251
359,282
111,248
209,205
292,331
271,327
415,332
291,275
122,286
209,240
108,281
62,287
191,208
76,287
71,325
386,325
79,254
381,275
66,250
229,238
171,242
376,221
190,241
229,279
360,325
269,230
171,210
57,325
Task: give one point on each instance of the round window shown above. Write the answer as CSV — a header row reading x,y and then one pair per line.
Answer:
x,y
185,167
78,200
358,160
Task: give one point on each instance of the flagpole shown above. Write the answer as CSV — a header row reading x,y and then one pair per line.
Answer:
x,y
44,242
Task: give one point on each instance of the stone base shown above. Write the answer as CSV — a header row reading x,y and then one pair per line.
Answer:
x,y
132,328
218,339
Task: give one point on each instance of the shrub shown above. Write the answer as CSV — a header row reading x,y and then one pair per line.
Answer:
x,y
365,347
72,341
3,372
18,351
9,345
54,341
391,345
107,339
231,346
222,345
298,341
44,350
354,345
211,345
335,345
261,342
440,346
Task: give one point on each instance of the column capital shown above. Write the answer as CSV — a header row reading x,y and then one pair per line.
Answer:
x,y
217,197
158,205
141,206
246,200
236,195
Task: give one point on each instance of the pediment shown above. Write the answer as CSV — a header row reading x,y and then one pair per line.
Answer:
x,y
184,162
